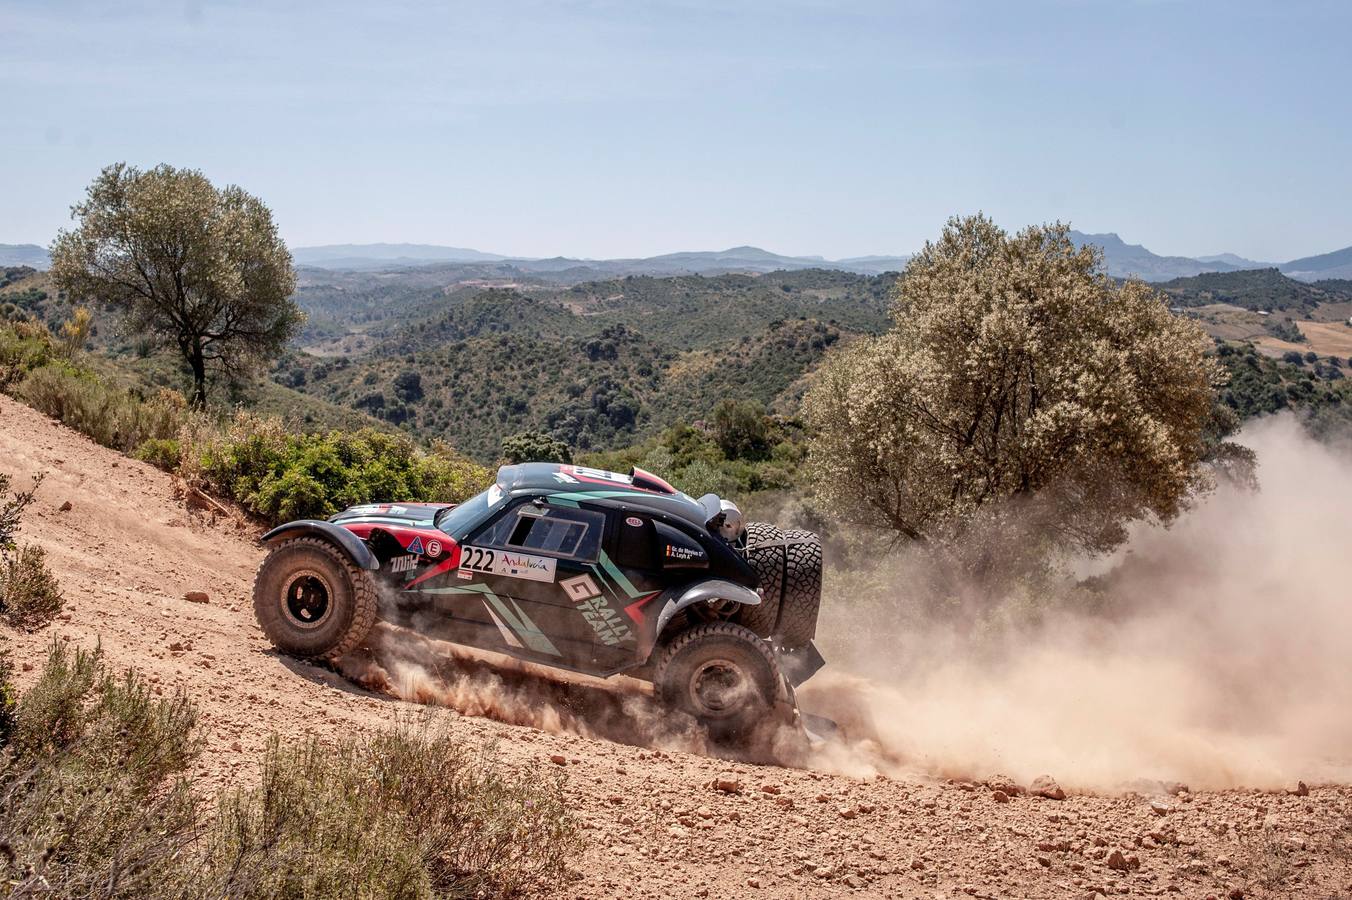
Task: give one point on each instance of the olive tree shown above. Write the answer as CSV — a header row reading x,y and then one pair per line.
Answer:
x,y
185,264
1019,388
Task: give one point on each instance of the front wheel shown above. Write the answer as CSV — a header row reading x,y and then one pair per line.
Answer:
x,y
724,676
312,601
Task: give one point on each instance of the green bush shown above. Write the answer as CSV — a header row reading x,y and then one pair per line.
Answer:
x,y
741,429
111,416
280,476
23,348
162,453
30,596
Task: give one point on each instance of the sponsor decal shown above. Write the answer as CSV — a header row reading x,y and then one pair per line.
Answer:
x,y
506,563
635,521
589,601
684,554
403,563
434,547
415,545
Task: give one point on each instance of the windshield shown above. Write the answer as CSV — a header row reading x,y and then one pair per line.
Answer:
x,y
459,520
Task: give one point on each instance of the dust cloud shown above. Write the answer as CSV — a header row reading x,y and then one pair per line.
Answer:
x,y
400,662
1219,655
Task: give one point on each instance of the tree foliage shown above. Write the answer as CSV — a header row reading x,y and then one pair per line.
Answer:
x,y
185,264
1021,389
535,446
741,429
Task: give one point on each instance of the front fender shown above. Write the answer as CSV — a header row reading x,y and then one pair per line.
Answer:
x,y
352,545
712,589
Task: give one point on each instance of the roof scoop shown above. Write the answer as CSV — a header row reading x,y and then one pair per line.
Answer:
x,y
647,481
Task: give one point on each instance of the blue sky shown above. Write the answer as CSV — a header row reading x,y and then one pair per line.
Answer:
x,y
629,128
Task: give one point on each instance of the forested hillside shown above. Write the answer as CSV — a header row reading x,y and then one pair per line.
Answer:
x,y
599,365
1255,289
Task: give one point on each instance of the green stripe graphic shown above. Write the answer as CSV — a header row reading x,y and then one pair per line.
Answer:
x,y
513,615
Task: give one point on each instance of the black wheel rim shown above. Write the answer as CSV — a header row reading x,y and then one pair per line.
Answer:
x,y
307,599
717,688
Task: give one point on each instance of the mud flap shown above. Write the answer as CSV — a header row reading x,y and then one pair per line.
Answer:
x,y
800,664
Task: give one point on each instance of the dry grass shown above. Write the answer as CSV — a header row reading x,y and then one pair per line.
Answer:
x,y
95,802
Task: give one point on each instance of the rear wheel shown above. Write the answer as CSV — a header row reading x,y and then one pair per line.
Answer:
x,y
312,601
724,676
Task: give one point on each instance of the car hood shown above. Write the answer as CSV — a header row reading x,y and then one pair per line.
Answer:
x,y
421,515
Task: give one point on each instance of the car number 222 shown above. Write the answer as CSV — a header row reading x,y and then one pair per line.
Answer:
x,y
477,559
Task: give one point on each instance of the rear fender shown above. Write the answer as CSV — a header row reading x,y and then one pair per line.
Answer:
x,y
712,589
352,545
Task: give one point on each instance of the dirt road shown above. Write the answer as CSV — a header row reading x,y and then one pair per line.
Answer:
x,y
127,551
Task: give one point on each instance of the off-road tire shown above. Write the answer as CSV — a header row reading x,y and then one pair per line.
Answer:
x,y
758,694
768,564
350,594
802,596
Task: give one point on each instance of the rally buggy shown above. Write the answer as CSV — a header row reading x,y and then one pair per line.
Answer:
x,y
585,570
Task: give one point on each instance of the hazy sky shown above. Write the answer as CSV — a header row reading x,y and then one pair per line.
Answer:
x,y
631,128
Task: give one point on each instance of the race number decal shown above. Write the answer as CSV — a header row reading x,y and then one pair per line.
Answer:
x,y
484,561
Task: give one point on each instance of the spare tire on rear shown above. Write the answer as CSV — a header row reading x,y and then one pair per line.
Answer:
x,y
312,601
801,599
764,551
788,565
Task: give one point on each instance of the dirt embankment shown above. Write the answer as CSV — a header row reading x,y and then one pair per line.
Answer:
x,y
127,552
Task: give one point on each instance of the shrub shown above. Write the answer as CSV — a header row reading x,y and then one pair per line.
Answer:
x,y
23,348
741,429
29,593
94,801
111,416
162,453
282,476
11,510
8,697
408,386
410,813
92,795
75,332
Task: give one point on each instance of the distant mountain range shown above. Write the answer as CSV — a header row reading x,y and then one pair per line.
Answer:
x,y
24,255
1132,260
365,257
1122,259
378,256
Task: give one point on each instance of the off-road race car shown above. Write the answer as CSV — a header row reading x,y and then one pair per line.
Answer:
x,y
571,567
